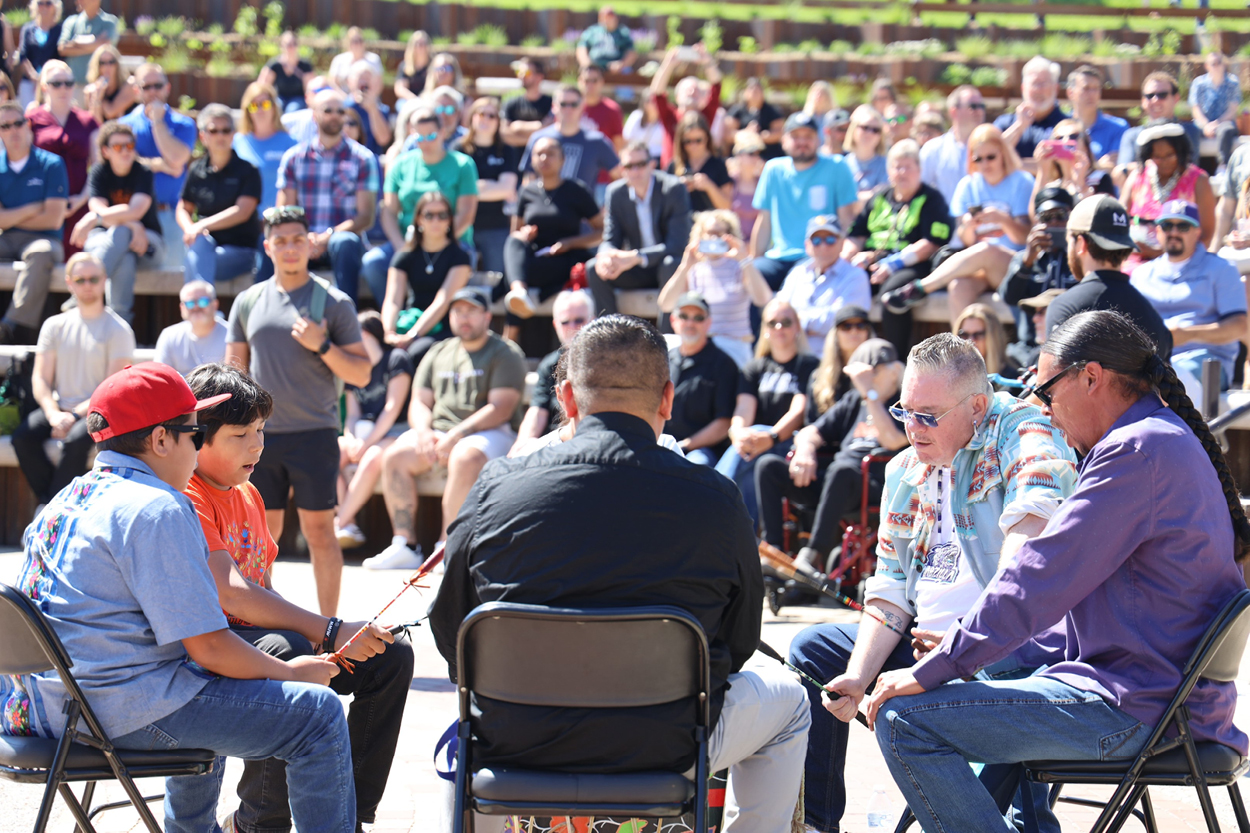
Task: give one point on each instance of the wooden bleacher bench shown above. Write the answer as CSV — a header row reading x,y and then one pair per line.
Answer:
x,y
150,282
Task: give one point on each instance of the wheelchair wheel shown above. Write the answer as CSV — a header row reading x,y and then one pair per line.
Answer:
x,y
854,591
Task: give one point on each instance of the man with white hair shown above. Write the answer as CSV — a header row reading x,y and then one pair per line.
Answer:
x,y
1037,114
944,161
947,524
375,117
570,312
200,338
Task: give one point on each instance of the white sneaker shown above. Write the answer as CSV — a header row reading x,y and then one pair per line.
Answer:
x,y
519,304
350,536
398,556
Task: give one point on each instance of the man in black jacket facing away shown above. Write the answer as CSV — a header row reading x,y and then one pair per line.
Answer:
x,y
611,519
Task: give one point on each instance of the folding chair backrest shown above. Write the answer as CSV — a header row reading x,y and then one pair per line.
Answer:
x,y
1220,658
577,658
29,645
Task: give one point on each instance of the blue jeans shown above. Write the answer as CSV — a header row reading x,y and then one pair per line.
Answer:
x,y
928,740
207,261
490,243
299,723
823,651
742,472
175,251
373,269
702,456
112,246
343,255
1192,361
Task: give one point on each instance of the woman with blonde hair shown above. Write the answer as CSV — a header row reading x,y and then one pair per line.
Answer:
x,y
353,52
61,128
413,69
991,209
107,95
1064,161
444,71
771,399
828,383
865,146
821,101
262,140
717,264
980,325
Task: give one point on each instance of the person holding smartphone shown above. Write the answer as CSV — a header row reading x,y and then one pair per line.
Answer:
x,y
717,265
1042,266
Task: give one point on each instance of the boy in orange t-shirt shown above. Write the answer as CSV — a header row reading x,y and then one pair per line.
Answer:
x,y
241,552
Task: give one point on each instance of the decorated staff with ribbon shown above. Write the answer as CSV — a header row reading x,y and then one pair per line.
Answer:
x,y
983,474
241,553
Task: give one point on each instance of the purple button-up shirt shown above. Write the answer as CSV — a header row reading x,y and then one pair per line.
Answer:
x,y
1134,567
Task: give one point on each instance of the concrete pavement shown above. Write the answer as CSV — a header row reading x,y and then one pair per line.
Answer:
x,y
413,796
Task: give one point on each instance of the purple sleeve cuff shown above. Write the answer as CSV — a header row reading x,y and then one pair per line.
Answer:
x,y
934,670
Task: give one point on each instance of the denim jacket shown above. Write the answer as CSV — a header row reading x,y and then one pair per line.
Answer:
x,y
1015,465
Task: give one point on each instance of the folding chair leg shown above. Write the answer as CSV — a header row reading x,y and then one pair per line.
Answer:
x,y
1208,808
905,821
1239,808
45,806
75,808
1148,809
1125,810
88,793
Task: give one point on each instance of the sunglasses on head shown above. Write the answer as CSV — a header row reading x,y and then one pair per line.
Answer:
x,y
1042,391
198,303
926,420
257,106
989,157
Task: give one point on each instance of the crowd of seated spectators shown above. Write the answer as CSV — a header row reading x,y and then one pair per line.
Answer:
x,y
766,237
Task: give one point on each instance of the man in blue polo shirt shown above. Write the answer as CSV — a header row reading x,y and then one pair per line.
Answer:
x,y
1198,294
164,139
34,189
792,190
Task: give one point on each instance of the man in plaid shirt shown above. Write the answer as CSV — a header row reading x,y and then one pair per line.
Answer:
x,y
335,180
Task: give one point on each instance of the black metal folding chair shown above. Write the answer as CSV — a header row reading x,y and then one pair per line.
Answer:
x,y
1171,757
581,659
30,646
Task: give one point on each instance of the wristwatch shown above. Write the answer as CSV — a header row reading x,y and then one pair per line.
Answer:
x,y
774,436
325,347
872,395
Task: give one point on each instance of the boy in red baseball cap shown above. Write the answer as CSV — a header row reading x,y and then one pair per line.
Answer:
x,y
118,563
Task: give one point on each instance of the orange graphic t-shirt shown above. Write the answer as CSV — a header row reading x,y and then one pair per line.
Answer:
x,y
234,520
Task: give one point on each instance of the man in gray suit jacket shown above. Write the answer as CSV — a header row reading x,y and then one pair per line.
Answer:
x,y
645,232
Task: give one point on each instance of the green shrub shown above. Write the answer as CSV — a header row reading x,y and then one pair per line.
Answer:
x,y
1065,47
490,35
533,41
216,30
957,74
144,26
712,35
974,47
175,58
675,37
841,47
988,77
748,44
171,27
809,46
308,30
274,12
247,23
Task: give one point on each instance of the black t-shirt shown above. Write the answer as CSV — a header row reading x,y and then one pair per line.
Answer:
x,y
716,171
372,398
416,81
118,190
845,427
764,117
426,271
520,108
213,191
889,225
545,389
1110,289
492,163
774,384
707,390
30,49
559,213
289,86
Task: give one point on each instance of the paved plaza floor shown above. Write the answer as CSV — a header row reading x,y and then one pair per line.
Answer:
x,y
414,794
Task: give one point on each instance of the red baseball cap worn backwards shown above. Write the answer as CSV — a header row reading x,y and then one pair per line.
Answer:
x,y
144,394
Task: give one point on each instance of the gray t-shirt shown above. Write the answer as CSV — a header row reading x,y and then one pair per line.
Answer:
x,y
119,564
84,348
305,395
79,24
181,349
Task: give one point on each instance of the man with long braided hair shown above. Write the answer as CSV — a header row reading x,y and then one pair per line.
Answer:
x,y
1133,568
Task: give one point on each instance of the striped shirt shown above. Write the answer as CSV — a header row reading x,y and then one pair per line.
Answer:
x,y
720,283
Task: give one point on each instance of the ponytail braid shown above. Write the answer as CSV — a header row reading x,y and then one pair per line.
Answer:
x,y
1164,379
1121,347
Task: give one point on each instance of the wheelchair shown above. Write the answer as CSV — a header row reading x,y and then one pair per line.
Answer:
x,y
850,563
